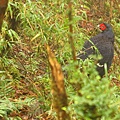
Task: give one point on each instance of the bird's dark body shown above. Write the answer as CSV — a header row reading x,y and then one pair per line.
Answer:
x,y
104,42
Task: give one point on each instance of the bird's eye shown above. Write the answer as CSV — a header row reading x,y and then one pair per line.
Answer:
x,y
102,27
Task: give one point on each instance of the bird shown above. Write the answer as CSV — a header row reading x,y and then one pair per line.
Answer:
x,y
103,43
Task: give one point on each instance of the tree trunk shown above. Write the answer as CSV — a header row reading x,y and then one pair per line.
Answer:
x,y
3,6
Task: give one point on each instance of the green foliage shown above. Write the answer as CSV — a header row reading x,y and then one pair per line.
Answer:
x,y
24,71
92,97
7,106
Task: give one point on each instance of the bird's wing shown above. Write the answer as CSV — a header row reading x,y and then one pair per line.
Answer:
x,y
107,52
88,49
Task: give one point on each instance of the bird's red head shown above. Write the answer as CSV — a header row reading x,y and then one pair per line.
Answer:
x,y
102,26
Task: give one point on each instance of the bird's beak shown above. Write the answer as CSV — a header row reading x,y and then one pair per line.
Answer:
x,y
98,28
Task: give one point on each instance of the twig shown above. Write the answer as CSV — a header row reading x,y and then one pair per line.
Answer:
x,y
71,29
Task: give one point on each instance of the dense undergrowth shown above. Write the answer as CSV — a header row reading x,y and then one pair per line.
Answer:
x,y
24,69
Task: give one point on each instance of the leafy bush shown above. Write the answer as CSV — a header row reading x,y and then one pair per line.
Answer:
x,y
93,98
